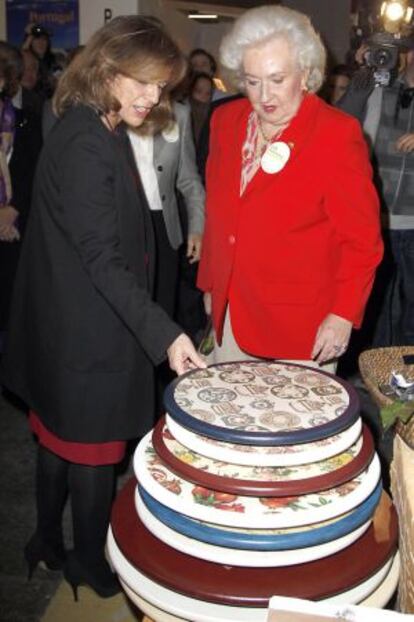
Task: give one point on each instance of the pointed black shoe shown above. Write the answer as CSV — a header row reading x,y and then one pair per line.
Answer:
x,y
98,577
37,551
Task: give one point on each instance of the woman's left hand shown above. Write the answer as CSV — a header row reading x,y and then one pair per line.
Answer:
x,y
194,242
332,338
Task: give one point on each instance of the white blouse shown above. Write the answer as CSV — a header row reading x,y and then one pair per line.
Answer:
x,y
143,148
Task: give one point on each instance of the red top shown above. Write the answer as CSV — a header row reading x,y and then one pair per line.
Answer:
x,y
91,454
299,243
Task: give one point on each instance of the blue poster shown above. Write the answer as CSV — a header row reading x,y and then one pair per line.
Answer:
x,y
60,18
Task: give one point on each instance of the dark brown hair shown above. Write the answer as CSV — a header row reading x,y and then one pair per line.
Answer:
x,y
130,45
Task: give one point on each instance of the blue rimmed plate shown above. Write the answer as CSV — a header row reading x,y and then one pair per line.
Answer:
x,y
264,539
262,403
241,557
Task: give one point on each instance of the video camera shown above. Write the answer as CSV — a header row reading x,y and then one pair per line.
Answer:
x,y
382,55
387,34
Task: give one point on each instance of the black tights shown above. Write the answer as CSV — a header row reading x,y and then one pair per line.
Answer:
x,y
51,495
91,491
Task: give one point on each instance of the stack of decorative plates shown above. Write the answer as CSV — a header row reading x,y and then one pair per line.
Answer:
x,y
261,480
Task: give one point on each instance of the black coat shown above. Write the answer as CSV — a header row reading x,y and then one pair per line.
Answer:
x,y
84,333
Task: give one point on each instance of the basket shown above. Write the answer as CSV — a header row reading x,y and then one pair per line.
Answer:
x,y
376,366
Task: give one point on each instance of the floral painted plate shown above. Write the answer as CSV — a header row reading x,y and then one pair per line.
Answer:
x,y
240,557
262,481
251,587
278,455
253,512
264,539
209,612
262,403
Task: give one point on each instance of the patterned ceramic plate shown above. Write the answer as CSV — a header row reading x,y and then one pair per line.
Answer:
x,y
279,455
263,481
235,557
241,511
208,612
264,539
252,587
262,403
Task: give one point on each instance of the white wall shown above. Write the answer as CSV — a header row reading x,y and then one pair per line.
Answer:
x,y
210,37
92,14
184,31
92,17
331,19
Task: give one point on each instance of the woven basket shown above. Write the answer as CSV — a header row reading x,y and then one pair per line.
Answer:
x,y
376,366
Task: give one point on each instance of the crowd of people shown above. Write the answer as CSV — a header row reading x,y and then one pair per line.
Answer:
x,y
162,207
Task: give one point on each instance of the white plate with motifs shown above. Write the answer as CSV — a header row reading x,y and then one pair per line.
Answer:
x,y
262,403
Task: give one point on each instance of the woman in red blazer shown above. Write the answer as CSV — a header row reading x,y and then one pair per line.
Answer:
x,y
292,235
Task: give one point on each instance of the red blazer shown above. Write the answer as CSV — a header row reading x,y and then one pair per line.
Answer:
x,y
298,244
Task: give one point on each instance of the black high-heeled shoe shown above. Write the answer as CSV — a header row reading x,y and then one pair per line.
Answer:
x,y
37,551
99,577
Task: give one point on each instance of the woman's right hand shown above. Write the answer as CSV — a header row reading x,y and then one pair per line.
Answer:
x,y
207,303
182,355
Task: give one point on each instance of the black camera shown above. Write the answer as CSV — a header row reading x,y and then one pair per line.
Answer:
x,y
39,31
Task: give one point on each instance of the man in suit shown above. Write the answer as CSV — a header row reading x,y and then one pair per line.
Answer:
x,y
167,167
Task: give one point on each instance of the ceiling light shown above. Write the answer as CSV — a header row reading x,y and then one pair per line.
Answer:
x,y
202,16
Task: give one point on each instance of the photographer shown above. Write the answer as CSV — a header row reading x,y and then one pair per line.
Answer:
x,y
386,112
37,40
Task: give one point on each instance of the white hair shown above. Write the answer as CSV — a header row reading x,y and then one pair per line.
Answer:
x,y
260,24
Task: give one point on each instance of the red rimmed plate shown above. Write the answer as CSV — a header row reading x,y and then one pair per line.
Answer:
x,y
262,481
252,587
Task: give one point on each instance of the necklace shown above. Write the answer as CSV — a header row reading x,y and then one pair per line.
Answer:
x,y
274,136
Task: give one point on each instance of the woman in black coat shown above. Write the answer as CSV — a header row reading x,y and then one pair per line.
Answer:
x,y
84,332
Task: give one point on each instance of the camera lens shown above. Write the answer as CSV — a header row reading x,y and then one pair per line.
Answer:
x,y
382,57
